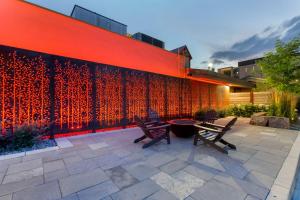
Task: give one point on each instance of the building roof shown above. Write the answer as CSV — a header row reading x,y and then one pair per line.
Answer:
x,y
249,62
206,74
183,50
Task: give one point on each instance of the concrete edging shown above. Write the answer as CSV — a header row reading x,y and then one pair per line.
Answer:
x,y
283,185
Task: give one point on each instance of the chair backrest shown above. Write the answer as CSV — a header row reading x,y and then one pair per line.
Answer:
x,y
210,116
230,124
226,128
139,122
153,115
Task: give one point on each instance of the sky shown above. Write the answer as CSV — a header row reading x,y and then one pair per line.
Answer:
x,y
221,32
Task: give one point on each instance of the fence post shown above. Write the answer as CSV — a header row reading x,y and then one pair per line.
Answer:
x,y
251,97
52,95
94,96
147,93
166,97
124,121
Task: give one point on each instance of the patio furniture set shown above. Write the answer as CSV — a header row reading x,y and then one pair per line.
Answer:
x,y
205,130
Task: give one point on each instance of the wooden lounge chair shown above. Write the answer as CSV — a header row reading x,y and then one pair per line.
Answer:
x,y
155,131
210,116
210,134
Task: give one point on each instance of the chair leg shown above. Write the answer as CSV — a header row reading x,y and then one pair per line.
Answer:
x,y
232,146
140,139
168,138
218,148
152,142
196,138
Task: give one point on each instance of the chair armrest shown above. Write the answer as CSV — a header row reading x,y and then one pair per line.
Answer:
x,y
207,129
158,127
151,122
216,125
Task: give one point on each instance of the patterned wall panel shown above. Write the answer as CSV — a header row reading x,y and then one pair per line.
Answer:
x,y
73,95
24,88
157,94
213,96
205,98
173,97
196,96
136,94
108,96
186,98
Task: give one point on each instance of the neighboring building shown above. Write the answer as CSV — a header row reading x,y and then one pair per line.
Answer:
x,y
148,39
249,70
184,51
96,19
229,71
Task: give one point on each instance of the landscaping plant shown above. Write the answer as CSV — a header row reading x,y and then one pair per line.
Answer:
x,y
22,136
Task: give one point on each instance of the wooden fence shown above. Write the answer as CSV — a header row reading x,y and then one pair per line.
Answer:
x,y
257,98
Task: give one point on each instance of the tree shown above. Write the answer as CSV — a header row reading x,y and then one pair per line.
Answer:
x,y
281,68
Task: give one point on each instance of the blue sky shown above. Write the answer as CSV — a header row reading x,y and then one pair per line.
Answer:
x,y
217,31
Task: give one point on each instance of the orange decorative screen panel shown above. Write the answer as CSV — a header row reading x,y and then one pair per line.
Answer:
x,y
79,95
24,91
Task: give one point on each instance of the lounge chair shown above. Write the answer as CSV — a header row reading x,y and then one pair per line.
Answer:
x,y
210,134
210,116
155,131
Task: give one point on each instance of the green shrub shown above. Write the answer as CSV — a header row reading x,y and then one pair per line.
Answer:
x,y
199,115
245,110
23,136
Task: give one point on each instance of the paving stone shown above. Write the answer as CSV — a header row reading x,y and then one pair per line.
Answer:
x,y
218,191
6,197
63,143
79,182
99,145
121,177
243,157
202,173
173,166
137,192
71,197
87,153
72,159
98,191
82,166
245,186
23,175
268,157
249,197
108,161
159,159
174,186
188,179
53,166
46,191
263,167
210,162
55,175
260,179
162,194
1,177
107,198
141,171
24,166
189,198
17,186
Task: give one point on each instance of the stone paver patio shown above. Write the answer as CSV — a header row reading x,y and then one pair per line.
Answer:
x,y
109,166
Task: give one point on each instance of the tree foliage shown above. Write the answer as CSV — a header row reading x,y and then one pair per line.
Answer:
x,y
281,68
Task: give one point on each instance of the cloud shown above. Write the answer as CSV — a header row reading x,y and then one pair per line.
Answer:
x,y
258,44
217,61
204,62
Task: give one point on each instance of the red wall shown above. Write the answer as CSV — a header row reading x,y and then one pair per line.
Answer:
x,y
24,25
